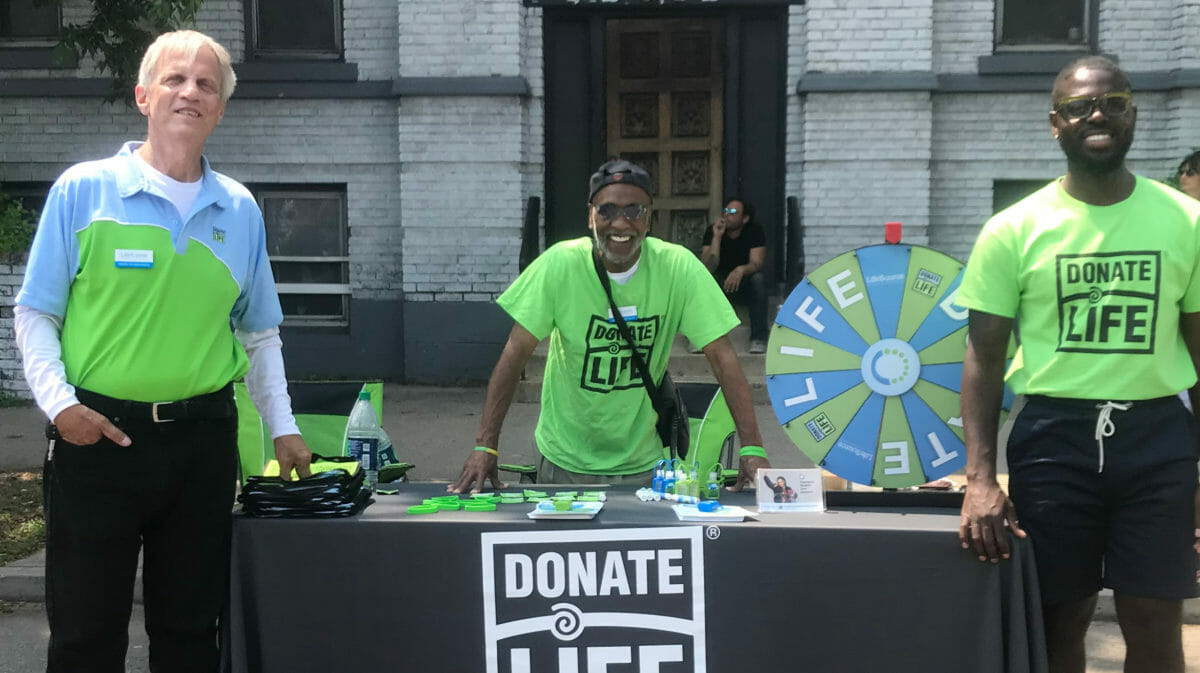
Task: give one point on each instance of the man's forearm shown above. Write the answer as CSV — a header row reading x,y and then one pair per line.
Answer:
x,y
982,394
724,363
710,256
502,385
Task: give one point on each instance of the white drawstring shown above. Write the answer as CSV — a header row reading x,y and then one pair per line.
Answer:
x,y
1105,426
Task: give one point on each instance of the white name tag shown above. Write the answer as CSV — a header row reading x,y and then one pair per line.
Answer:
x,y
135,259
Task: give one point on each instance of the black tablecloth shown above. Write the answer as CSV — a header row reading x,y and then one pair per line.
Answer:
x,y
835,591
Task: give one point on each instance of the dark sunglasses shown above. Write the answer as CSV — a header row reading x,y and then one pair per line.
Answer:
x,y
1081,107
634,212
731,211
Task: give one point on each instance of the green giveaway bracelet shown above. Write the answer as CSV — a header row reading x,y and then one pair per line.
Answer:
x,y
756,451
491,451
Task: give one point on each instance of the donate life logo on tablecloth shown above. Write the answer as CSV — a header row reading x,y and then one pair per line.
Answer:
x,y
594,601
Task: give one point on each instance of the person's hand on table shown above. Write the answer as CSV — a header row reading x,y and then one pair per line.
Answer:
x,y
84,426
734,280
986,514
292,452
748,467
480,466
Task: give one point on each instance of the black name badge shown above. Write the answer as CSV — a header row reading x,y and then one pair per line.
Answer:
x,y
594,601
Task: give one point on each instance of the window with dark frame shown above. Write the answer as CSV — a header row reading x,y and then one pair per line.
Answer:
x,y
308,244
1043,24
31,195
29,21
294,29
1007,192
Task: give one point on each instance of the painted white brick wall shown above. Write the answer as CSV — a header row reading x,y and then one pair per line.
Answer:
x,y
963,30
1138,32
12,377
533,138
370,33
1187,33
870,35
796,66
439,38
866,162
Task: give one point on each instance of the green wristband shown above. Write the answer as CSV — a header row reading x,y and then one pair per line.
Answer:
x,y
491,451
756,451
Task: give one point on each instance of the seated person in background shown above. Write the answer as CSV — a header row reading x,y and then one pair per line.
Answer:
x,y
1188,174
733,251
597,423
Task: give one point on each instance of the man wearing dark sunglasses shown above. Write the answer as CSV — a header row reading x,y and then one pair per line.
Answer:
x,y
1101,270
597,423
734,250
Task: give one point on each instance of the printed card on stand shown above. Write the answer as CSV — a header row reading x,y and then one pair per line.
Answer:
x,y
792,490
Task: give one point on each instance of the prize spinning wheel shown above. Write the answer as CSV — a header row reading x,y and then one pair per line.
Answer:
x,y
864,366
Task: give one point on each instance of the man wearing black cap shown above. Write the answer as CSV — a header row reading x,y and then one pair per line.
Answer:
x,y
597,421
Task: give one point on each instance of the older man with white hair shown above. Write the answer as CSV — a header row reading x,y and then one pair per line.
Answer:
x,y
147,293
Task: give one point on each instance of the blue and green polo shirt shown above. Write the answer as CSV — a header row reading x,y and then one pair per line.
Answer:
x,y
149,300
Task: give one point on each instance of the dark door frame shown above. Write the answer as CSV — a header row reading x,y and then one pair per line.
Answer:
x,y
754,163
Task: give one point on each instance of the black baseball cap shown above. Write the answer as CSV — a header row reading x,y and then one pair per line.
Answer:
x,y
618,171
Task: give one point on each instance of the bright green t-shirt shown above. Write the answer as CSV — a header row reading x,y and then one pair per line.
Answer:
x,y
1096,291
596,416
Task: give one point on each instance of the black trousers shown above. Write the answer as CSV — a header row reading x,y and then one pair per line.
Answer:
x,y
170,495
753,294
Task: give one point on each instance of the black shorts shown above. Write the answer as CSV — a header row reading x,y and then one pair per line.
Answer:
x,y
1128,526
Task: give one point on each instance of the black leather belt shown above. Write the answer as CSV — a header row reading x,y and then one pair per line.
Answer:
x,y
218,404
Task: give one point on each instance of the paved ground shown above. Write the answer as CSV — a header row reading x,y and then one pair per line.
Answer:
x,y
431,427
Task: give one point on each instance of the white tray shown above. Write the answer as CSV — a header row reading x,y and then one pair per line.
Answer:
x,y
690,513
579,510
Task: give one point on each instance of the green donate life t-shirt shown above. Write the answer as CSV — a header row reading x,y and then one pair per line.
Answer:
x,y
596,417
1096,291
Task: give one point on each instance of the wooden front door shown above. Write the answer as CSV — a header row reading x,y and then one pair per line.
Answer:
x,y
663,88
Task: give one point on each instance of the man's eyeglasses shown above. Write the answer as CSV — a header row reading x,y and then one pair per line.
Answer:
x,y
634,212
1188,172
731,211
1112,104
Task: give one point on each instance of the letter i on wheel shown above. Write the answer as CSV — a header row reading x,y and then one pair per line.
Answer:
x,y
864,366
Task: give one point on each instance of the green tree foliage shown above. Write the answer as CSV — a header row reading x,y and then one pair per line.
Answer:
x,y
118,32
16,228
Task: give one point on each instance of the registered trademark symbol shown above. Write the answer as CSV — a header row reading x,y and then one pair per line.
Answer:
x,y
712,532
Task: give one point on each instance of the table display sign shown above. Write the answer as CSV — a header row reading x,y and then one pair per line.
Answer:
x,y
780,490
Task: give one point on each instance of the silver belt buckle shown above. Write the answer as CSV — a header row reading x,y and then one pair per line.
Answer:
x,y
154,413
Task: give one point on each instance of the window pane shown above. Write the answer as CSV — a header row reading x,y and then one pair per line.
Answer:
x,y
31,195
1044,22
330,306
298,25
1007,192
22,19
309,272
304,225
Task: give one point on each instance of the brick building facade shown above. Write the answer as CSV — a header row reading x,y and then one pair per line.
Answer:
x,y
426,133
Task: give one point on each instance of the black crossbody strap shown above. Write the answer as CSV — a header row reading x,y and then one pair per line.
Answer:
x,y
651,390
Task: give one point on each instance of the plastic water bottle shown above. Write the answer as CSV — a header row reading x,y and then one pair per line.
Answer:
x,y
362,437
